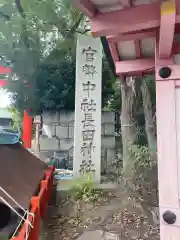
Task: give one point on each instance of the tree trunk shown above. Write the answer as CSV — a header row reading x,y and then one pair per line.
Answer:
x,y
128,127
148,114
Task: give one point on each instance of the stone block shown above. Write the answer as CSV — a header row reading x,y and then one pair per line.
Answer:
x,y
71,124
66,144
111,155
37,119
49,144
109,129
71,152
108,117
71,132
62,132
53,130
102,130
103,152
103,159
108,142
66,117
50,117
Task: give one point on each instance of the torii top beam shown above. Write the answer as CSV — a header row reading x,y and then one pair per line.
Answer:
x,y
132,28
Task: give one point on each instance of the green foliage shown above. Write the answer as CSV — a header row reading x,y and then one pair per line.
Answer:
x,y
143,160
115,100
16,117
145,174
56,86
85,189
46,32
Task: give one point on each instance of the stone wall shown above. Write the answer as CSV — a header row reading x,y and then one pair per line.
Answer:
x,y
62,129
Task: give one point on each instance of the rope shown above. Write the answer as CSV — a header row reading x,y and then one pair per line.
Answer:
x,y
26,212
18,226
27,228
6,203
7,194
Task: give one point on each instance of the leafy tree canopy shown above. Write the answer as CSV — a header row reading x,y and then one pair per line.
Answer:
x,y
38,40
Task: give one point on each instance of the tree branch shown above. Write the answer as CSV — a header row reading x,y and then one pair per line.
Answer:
x,y
83,32
75,26
24,35
19,8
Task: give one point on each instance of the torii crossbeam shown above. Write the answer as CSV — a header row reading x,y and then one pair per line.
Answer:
x,y
143,37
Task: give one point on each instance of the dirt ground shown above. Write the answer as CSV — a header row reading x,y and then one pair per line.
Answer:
x,y
67,220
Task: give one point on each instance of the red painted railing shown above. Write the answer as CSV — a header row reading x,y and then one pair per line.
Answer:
x,y
38,208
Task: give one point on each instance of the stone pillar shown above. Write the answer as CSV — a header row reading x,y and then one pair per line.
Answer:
x,y
87,135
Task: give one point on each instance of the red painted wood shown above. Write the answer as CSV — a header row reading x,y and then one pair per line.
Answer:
x,y
27,130
137,48
139,18
132,36
3,83
5,70
43,195
114,51
127,20
37,204
167,28
135,66
126,3
34,234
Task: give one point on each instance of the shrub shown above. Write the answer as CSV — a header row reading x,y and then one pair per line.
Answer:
x,y
85,189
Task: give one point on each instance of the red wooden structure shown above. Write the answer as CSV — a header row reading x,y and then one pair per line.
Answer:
x,y
143,36
38,203
38,207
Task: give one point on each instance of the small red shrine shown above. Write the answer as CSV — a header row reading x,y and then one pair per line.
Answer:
x,y
25,185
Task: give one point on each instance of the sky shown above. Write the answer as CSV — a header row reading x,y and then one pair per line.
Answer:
x,y
4,98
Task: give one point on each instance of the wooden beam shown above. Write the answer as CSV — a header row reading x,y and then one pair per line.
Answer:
x,y
126,20
176,48
132,36
167,28
114,51
137,48
86,7
137,66
126,3
139,18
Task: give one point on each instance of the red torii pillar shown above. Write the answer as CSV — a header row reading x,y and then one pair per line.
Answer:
x,y
161,21
27,120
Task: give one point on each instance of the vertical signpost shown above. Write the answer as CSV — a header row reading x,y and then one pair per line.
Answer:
x,y
87,137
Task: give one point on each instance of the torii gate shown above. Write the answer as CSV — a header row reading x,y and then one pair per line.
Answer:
x,y
143,37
